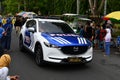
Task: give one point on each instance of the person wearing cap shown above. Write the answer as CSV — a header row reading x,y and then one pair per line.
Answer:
x,y
7,38
5,61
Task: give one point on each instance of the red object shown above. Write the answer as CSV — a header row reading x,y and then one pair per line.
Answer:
x,y
106,18
102,34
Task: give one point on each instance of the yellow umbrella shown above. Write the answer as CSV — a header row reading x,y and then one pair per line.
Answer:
x,y
113,16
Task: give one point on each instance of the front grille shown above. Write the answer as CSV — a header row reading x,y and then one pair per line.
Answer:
x,y
74,50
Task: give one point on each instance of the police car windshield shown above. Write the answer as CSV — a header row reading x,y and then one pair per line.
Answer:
x,y
55,27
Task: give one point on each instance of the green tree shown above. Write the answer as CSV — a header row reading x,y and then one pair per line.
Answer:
x,y
58,7
10,6
115,5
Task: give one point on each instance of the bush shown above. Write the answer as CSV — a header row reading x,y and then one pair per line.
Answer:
x,y
116,33
116,30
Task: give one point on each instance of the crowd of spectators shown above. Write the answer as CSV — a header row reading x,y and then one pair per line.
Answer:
x,y
98,34
7,24
6,27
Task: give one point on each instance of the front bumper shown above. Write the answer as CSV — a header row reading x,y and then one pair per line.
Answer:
x,y
55,56
73,60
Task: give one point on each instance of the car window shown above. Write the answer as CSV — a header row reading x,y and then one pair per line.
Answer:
x,y
54,27
31,23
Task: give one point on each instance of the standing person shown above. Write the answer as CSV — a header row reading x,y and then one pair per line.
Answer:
x,y
1,35
4,20
18,24
104,24
97,37
88,32
102,35
0,19
107,40
82,31
5,61
7,38
13,22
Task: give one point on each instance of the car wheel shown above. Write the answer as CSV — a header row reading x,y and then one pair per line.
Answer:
x,y
39,55
21,46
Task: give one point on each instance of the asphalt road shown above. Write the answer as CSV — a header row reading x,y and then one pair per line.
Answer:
x,y
101,68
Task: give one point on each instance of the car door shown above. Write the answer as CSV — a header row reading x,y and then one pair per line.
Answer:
x,y
29,33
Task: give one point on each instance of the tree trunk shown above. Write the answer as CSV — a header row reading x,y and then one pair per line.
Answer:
x,y
18,7
25,8
78,6
95,8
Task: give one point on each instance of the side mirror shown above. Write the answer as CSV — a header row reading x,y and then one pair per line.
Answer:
x,y
31,29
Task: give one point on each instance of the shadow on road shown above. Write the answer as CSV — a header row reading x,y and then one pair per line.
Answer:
x,y
66,67
59,67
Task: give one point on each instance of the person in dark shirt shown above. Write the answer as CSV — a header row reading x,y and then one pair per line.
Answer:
x,y
82,31
2,31
6,41
97,37
88,32
18,24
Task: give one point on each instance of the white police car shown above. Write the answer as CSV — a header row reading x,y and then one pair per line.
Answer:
x,y
53,40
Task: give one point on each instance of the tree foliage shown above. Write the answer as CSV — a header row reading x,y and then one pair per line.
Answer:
x,y
58,7
10,6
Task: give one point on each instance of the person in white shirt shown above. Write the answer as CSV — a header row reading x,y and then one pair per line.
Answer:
x,y
5,60
107,39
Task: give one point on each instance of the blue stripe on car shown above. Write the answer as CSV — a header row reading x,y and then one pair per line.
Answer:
x,y
65,40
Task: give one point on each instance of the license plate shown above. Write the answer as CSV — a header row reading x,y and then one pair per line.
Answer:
x,y
74,59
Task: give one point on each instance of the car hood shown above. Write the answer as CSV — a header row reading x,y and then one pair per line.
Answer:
x,y
66,39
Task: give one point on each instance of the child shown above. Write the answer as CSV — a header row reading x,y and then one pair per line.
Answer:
x,y
5,61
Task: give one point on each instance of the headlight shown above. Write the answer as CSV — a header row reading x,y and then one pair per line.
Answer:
x,y
51,45
89,44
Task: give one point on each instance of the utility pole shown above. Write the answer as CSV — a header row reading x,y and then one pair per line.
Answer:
x,y
78,6
105,7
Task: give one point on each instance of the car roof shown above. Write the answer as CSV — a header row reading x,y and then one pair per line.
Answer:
x,y
51,20
48,20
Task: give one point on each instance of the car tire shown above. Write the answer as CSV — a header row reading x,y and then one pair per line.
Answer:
x,y
21,46
39,55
